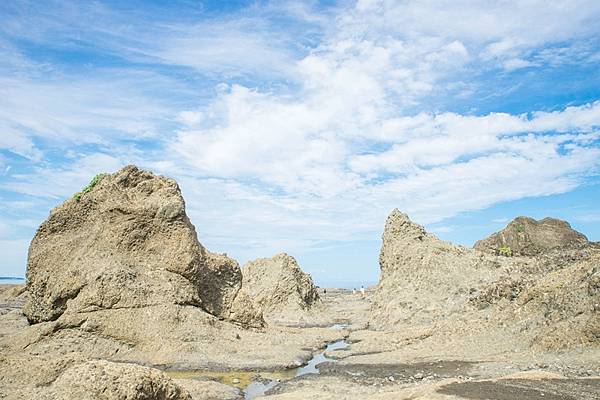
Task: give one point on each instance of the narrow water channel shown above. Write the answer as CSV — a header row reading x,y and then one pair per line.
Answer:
x,y
255,384
258,388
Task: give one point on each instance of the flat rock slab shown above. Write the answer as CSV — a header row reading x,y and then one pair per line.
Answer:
x,y
384,374
511,389
400,372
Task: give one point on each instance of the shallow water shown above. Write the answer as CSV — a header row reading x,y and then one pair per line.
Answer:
x,y
239,379
339,327
311,366
255,384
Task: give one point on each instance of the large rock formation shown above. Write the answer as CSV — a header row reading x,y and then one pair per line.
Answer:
x,y
277,286
551,300
561,308
422,277
528,237
125,242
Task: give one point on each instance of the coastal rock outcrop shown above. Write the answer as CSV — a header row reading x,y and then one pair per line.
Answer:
x,y
277,285
422,277
125,242
551,301
528,237
562,308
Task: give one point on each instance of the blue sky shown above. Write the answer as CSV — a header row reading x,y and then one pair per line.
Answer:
x,y
298,126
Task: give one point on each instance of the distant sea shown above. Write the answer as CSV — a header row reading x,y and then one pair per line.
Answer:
x,y
342,284
11,280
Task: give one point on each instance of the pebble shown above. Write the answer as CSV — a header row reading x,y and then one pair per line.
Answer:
x,y
391,379
235,381
418,376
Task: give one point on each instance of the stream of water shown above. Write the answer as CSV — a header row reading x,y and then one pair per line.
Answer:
x,y
258,388
255,384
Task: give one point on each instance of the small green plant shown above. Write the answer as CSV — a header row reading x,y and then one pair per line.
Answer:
x,y
505,251
95,180
520,228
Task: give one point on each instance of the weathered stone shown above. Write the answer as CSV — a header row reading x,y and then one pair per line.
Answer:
x,y
552,299
528,237
419,273
209,390
125,243
278,285
104,380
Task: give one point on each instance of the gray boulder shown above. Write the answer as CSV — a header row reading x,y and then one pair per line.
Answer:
x,y
551,302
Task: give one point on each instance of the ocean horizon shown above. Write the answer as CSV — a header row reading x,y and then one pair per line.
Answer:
x,y
11,280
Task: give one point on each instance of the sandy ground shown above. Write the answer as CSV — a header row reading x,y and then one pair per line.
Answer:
x,y
407,364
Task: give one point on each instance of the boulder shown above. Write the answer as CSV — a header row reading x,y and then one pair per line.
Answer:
x,y
210,390
125,242
105,380
277,285
528,237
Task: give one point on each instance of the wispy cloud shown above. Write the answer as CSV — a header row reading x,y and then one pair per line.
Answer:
x,y
290,125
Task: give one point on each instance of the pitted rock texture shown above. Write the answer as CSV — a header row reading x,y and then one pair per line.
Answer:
x,y
105,380
424,278
127,243
527,237
551,301
562,308
278,285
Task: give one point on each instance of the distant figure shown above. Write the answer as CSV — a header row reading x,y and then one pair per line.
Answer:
x,y
362,291
324,291
354,291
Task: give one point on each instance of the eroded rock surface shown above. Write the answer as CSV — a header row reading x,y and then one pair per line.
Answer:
x,y
126,243
104,380
423,278
277,286
528,237
548,301
117,274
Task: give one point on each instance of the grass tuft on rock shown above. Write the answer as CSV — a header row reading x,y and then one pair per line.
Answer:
x,y
95,180
505,251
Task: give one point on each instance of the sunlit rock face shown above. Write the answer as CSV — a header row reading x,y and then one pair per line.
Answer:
x,y
125,242
528,237
546,290
277,286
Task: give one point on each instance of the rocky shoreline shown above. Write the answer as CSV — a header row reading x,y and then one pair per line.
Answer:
x,y
123,302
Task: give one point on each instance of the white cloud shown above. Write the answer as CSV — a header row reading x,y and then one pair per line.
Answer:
x,y
61,181
231,48
343,145
78,110
18,143
309,133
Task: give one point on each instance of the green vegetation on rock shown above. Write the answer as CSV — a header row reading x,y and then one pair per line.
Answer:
x,y
505,251
95,180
